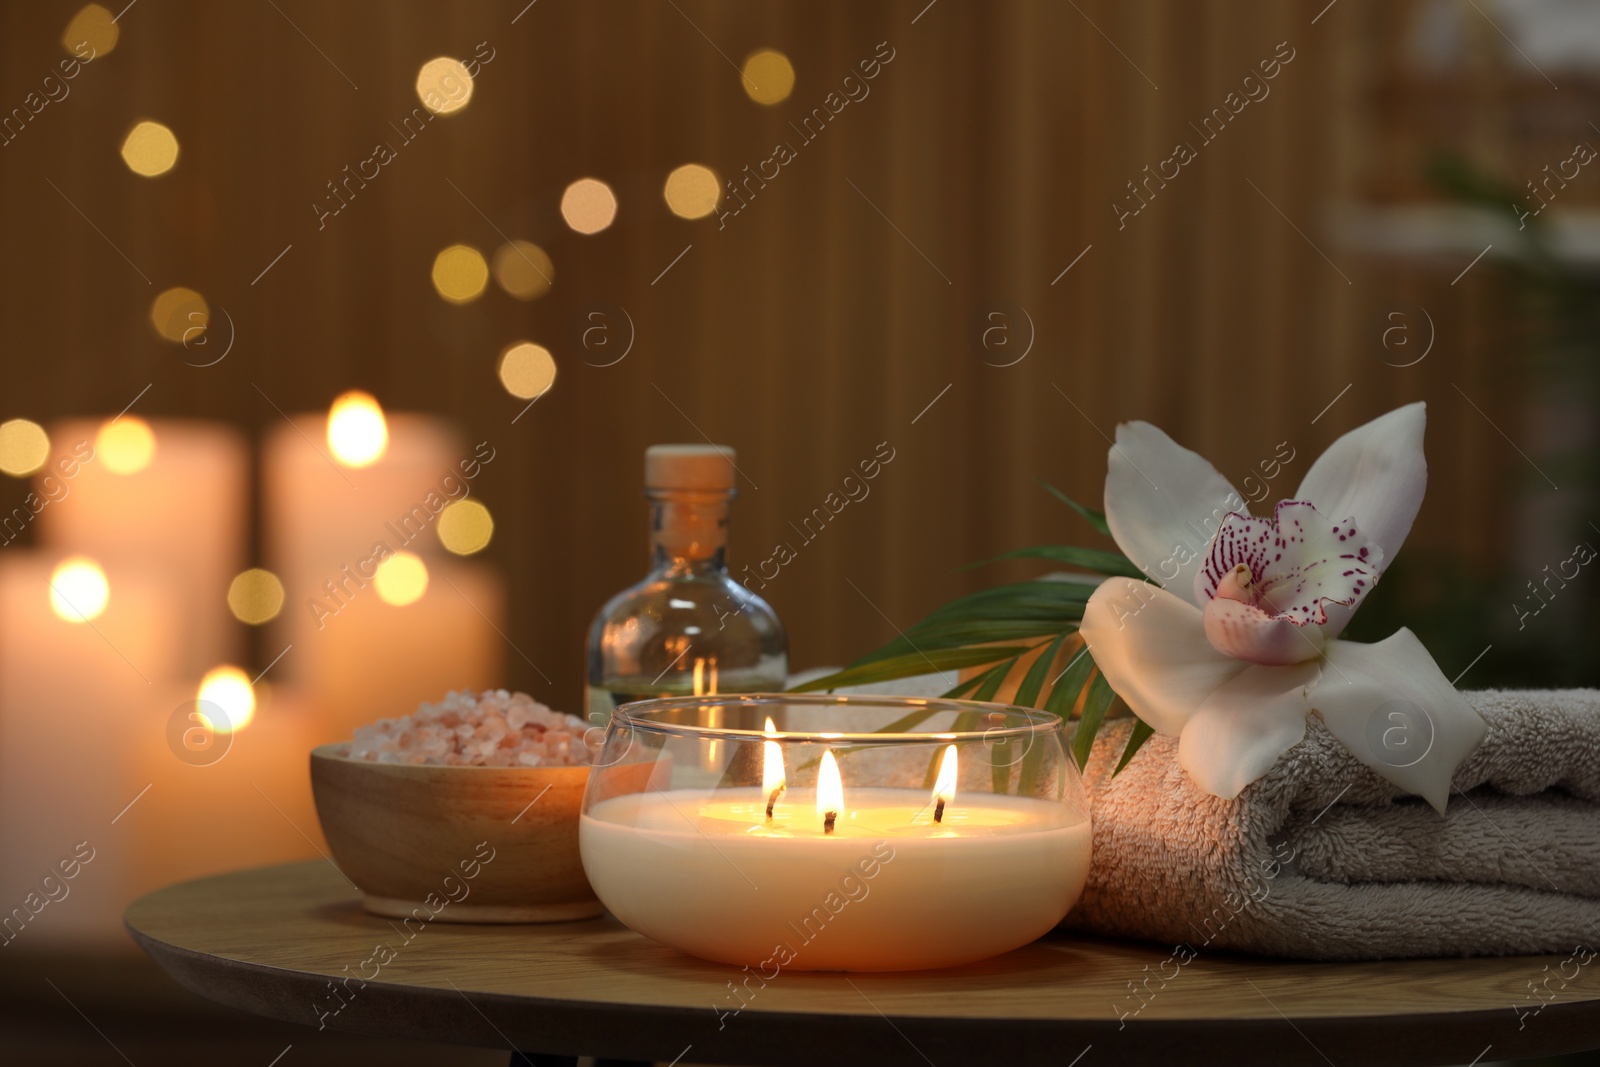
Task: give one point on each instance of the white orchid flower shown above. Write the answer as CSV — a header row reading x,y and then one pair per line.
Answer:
x,y
1238,642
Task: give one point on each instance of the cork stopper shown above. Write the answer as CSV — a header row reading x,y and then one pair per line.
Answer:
x,y
704,467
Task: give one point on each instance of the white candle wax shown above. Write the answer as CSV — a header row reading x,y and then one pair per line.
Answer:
x,y
71,697
888,889
181,518
370,660
322,514
327,525
249,808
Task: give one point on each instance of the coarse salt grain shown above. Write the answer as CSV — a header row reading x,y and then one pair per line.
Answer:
x,y
494,728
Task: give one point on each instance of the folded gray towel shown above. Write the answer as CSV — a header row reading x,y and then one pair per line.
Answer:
x,y
1323,859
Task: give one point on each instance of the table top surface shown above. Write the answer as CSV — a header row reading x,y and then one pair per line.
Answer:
x,y
292,942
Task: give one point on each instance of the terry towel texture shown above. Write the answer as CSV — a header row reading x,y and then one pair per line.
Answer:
x,y
1323,859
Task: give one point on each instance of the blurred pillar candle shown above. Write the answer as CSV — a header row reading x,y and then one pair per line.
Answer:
x,y
169,496
327,510
365,659
71,696
323,512
223,800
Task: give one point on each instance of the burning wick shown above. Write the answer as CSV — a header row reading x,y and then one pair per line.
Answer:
x,y
830,792
944,786
772,778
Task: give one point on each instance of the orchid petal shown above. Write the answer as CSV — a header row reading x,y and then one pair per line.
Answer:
x,y
1245,632
1163,503
1375,474
1152,648
1390,705
1239,731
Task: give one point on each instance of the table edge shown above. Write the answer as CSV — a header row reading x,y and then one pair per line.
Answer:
x,y
787,1038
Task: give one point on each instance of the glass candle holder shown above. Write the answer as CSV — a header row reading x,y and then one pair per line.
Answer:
x,y
818,832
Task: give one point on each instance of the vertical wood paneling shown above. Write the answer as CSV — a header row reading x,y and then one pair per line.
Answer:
x,y
804,331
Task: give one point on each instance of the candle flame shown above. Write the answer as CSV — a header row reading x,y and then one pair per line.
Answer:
x,y
358,434
228,690
78,589
944,785
772,776
830,790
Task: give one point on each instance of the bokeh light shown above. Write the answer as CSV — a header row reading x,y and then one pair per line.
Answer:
x,y
180,314
692,191
150,149
24,446
255,596
358,434
523,269
228,688
401,579
125,445
768,76
91,34
460,274
78,589
443,85
589,205
527,370
465,527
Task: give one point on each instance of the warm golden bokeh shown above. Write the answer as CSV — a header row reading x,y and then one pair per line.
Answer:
x,y
523,269
692,191
150,149
460,274
358,434
465,527
24,447
443,85
180,314
527,370
768,76
401,579
228,688
589,205
126,445
255,596
91,34
79,590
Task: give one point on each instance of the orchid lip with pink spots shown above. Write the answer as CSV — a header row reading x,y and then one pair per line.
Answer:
x,y
1240,644
1266,584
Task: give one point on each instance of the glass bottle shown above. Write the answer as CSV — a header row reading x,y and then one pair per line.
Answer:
x,y
687,628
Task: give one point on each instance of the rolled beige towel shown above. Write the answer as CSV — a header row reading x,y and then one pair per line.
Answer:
x,y
1323,859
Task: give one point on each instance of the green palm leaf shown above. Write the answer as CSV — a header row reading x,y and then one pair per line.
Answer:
x,y
1136,739
994,628
1097,519
1094,713
1033,681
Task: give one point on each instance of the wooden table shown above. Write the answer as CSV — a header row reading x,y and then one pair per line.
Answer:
x,y
290,942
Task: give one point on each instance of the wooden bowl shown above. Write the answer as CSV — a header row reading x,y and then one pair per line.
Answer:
x,y
456,844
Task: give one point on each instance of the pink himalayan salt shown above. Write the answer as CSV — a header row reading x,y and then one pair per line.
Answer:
x,y
491,729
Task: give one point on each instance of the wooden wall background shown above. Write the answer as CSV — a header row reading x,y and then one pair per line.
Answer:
x,y
805,332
